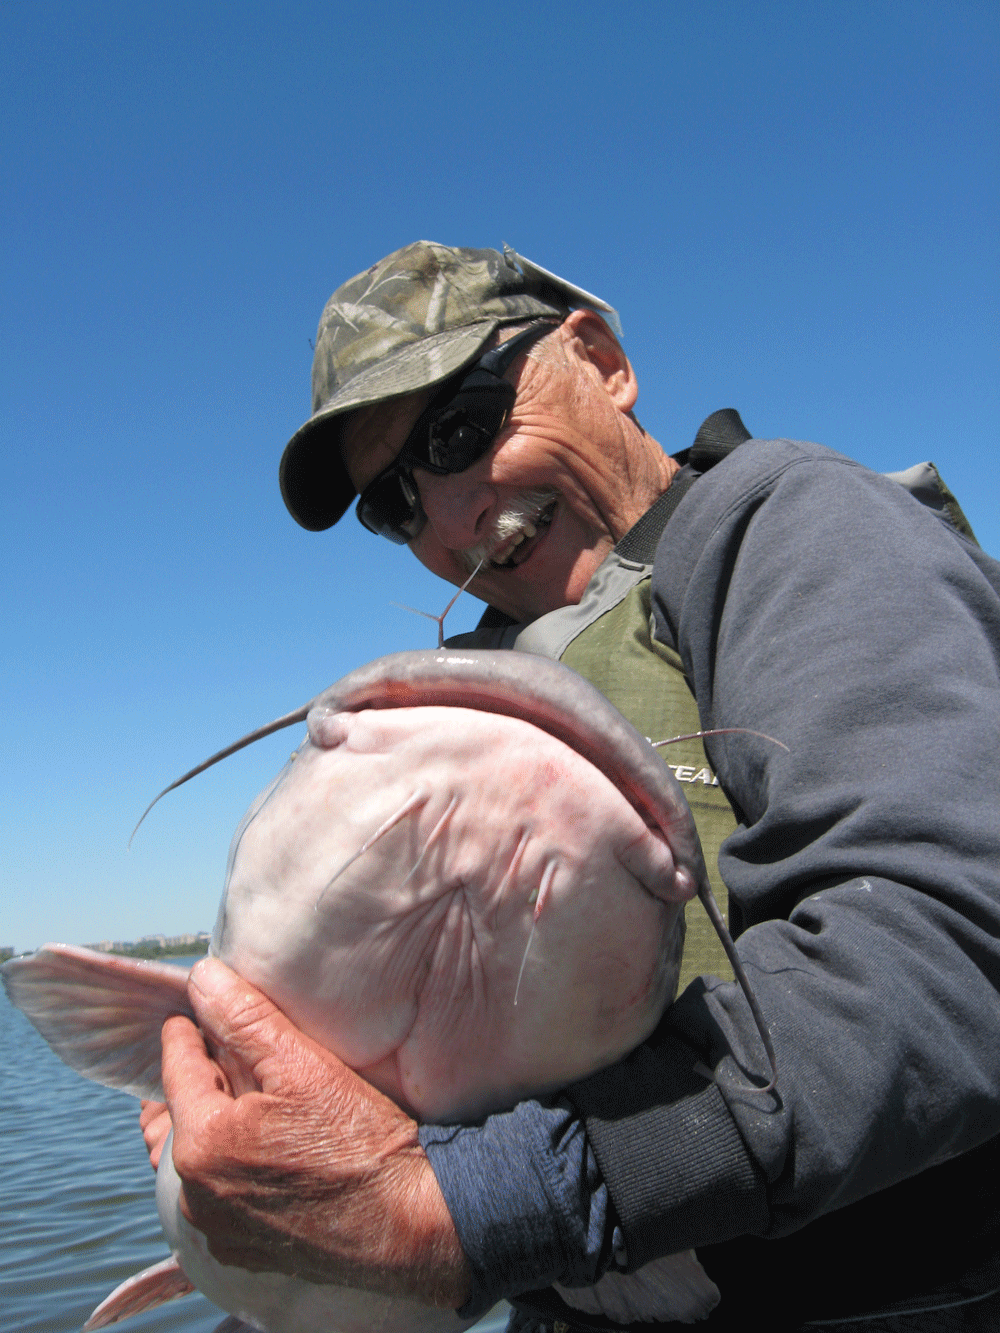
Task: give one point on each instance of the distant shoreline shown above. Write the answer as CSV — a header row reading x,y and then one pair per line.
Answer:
x,y
148,949
190,947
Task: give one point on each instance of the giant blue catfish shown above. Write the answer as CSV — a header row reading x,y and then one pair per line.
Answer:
x,y
467,883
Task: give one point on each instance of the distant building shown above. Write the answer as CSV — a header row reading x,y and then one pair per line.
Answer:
x,y
150,945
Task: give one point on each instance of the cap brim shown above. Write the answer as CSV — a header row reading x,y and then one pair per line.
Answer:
x,y
314,483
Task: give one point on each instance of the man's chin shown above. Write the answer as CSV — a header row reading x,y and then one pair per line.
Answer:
x,y
524,594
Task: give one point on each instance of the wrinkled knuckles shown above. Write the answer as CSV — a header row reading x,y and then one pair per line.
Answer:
x,y
248,1016
212,1143
192,1159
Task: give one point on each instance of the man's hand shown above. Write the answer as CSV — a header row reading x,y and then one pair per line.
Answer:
x,y
154,1121
290,1161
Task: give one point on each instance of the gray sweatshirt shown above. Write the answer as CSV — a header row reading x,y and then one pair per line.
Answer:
x,y
819,603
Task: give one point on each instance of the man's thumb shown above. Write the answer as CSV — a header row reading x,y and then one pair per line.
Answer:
x,y
241,1026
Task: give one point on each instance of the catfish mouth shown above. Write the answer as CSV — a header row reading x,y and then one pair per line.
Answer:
x,y
517,548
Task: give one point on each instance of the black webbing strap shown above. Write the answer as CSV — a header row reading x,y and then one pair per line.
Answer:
x,y
717,436
640,542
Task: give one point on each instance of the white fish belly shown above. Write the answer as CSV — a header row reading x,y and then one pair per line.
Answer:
x,y
503,938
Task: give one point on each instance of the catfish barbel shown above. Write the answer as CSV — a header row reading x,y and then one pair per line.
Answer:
x,y
467,883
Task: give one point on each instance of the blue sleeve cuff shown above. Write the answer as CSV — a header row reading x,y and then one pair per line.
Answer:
x,y
527,1199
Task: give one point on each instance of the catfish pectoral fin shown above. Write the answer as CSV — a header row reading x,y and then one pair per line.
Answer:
x,y
154,1286
100,1013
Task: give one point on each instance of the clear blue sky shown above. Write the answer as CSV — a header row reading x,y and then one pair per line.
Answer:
x,y
793,206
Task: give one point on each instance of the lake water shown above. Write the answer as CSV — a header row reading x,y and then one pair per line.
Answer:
x,y
77,1197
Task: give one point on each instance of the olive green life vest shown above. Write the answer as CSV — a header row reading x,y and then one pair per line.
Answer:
x,y
644,680
608,639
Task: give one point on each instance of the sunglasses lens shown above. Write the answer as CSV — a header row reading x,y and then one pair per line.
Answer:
x,y
456,430
461,431
390,507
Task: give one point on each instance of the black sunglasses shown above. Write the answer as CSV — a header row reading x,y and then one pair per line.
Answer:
x,y
456,429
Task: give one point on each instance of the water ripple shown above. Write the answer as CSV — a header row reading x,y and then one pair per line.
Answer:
x,y
78,1212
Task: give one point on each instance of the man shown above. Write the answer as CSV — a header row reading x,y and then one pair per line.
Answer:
x,y
790,592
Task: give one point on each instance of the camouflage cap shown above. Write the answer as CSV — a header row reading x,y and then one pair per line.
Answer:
x,y
407,323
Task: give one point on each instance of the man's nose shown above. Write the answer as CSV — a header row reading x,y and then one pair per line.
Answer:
x,y
458,506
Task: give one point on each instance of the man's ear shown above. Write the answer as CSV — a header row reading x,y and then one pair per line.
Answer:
x,y
600,353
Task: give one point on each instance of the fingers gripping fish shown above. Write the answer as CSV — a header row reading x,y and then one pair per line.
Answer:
x,y
561,801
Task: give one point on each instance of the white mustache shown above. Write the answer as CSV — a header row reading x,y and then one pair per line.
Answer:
x,y
511,519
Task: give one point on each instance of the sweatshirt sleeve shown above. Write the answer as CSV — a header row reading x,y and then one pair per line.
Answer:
x,y
819,604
